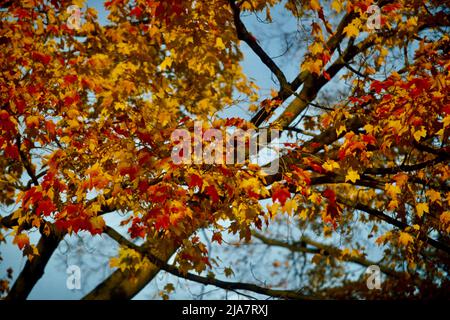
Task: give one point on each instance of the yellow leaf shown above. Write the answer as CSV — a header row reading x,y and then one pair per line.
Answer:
x,y
405,238
219,44
351,31
78,3
123,48
420,134
330,165
65,139
274,208
290,206
421,208
433,195
341,129
412,22
392,190
97,222
189,40
446,121
369,128
167,62
316,48
119,106
32,121
314,198
72,113
392,205
313,66
445,217
304,214
336,6
352,175
73,124
315,5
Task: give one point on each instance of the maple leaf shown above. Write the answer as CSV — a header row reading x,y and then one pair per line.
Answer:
x,y
421,208
391,7
167,62
21,240
351,31
352,175
217,236
281,194
45,207
32,122
219,44
422,133
42,58
316,48
315,5
434,195
313,66
69,79
136,11
212,193
405,238
195,181
336,5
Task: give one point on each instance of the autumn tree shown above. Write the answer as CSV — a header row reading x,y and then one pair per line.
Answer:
x,y
87,114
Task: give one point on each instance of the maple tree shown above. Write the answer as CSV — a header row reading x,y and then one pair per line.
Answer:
x,y
87,115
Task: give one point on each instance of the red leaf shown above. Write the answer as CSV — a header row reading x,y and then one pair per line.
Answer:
x,y
4,115
217,236
330,195
212,192
21,240
281,194
136,11
162,221
369,139
45,207
195,181
50,126
446,109
12,152
158,193
391,7
137,229
69,79
43,58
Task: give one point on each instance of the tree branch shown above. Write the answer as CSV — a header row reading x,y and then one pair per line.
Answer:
x,y
245,36
34,269
284,294
401,225
323,249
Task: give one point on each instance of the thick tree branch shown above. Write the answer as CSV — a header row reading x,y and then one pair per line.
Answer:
x,y
284,294
34,269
